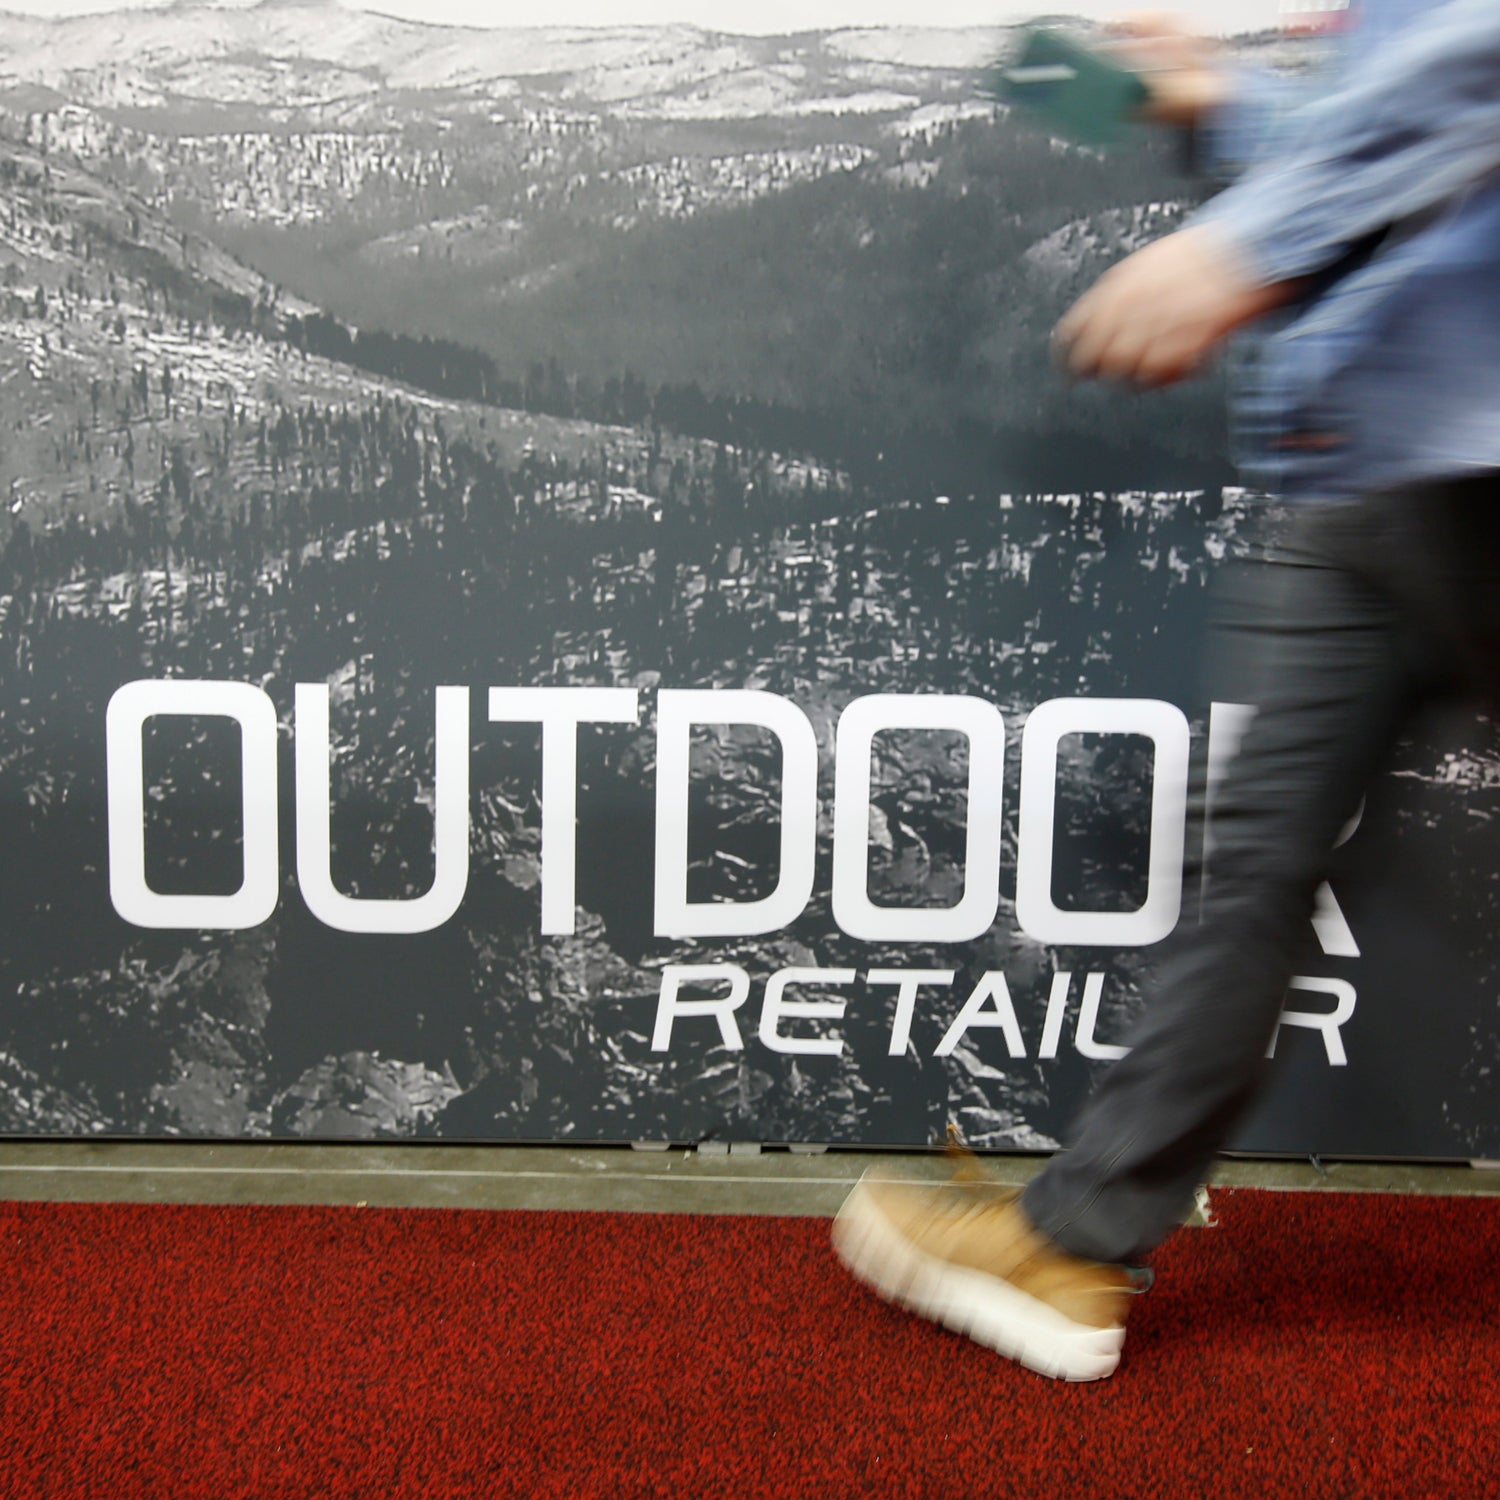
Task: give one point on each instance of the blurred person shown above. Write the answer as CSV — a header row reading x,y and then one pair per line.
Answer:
x,y
1359,247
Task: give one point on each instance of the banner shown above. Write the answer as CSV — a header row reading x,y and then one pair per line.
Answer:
x,y
551,592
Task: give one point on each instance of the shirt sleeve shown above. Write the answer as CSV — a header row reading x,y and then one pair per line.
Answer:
x,y
1243,132
1413,124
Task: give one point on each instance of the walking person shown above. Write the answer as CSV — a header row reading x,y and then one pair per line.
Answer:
x,y
1360,252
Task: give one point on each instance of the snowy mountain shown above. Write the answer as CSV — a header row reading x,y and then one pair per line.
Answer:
x,y
317,56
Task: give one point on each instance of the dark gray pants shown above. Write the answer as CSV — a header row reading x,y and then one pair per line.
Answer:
x,y
1342,628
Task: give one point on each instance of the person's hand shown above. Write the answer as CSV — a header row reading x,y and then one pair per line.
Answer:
x,y
1153,319
1187,74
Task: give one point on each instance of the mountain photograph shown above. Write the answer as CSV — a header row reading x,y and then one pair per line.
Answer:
x,y
838,227
344,350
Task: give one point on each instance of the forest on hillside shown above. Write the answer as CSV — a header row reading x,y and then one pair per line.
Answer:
x,y
869,314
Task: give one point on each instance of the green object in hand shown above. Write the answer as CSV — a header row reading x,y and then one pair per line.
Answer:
x,y
1079,93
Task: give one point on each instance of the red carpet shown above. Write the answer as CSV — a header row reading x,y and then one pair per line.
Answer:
x,y
1310,1346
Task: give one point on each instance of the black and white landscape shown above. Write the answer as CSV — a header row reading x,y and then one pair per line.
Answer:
x,y
336,348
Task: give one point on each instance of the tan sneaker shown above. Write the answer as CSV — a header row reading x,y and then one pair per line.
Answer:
x,y
965,1255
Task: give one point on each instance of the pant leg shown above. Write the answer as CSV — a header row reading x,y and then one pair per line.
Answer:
x,y
1341,669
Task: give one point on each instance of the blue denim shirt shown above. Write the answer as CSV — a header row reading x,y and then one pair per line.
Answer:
x,y
1382,196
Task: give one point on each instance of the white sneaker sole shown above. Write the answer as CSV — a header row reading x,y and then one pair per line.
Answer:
x,y
984,1308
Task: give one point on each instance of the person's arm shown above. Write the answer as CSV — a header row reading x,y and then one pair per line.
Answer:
x,y
1230,114
1413,125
